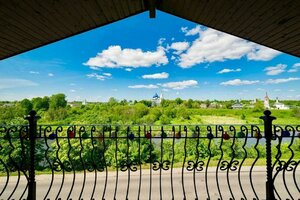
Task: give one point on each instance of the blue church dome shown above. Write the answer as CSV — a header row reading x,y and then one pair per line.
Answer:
x,y
155,96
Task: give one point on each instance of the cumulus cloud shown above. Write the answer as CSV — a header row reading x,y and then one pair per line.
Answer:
x,y
281,80
15,83
262,53
116,57
212,46
150,86
102,77
162,75
179,47
275,70
294,68
236,82
180,84
128,69
193,31
50,74
223,71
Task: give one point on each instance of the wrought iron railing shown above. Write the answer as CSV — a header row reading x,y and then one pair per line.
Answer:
x,y
150,162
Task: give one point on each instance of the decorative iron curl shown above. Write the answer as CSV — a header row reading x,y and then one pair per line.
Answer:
x,y
165,165
232,165
195,165
132,166
288,166
57,166
67,166
220,128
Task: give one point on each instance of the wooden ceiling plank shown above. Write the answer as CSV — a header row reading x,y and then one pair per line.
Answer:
x,y
123,5
139,5
127,6
13,34
280,31
70,10
195,8
94,14
118,9
105,14
47,18
88,13
12,43
286,42
249,13
110,5
25,23
271,21
284,38
226,12
104,8
216,11
169,7
53,17
208,11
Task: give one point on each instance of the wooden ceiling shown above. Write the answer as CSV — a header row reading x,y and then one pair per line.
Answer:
x,y
28,24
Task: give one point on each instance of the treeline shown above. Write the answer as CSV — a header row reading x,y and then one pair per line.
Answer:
x,y
55,110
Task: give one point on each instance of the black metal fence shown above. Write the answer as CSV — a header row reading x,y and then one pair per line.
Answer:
x,y
150,162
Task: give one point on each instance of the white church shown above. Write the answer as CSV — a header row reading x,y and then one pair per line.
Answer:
x,y
277,105
156,100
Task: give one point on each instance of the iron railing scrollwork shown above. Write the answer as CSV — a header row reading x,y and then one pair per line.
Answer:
x,y
149,162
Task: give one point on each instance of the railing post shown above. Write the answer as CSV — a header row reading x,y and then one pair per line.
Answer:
x,y
32,121
268,135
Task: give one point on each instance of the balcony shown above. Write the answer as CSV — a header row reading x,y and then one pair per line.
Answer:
x,y
255,161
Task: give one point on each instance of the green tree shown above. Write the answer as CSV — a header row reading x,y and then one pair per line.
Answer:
x,y
178,101
58,101
258,106
26,105
40,103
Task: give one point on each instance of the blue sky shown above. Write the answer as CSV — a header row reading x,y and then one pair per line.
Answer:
x,y
136,57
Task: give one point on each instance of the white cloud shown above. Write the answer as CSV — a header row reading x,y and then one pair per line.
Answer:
x,y
72,90
179,47
292,90
102,77
262,53
116,57
193,31
128,69
15,83
236,82
151,86
161,41
107,74
50,74
260,89
275,70
294,68
184,29
212,46
34,72
180,84
281,80
223,71
162,75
